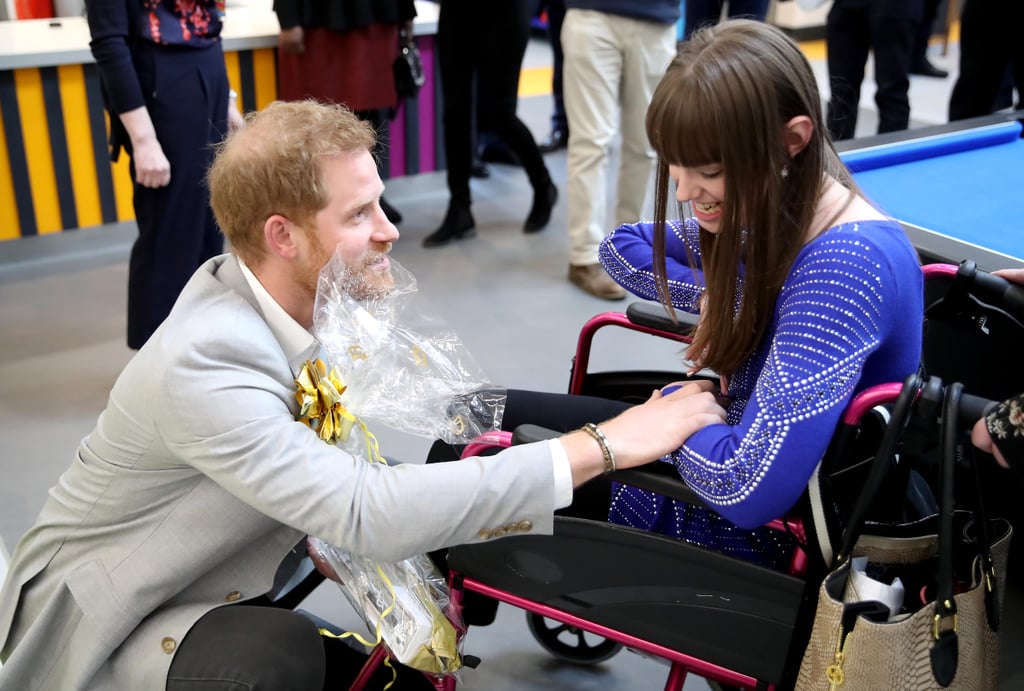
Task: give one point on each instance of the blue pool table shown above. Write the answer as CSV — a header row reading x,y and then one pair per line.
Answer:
x,y
958,189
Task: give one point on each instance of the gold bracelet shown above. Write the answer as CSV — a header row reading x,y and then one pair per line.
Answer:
x,y
602,441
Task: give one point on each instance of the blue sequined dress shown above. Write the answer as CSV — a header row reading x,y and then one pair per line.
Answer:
x,y
847,318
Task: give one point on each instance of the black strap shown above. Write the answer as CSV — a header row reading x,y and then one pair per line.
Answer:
x,y
944,652
988,567
884,458
945,605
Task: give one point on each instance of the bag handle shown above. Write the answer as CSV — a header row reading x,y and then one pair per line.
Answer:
x,y
945,605
988,566
944,652
898,420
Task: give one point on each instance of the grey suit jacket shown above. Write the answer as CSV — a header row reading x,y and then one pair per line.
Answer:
x,y
195,484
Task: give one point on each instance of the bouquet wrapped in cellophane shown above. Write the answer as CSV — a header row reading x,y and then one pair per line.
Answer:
x,y
393,364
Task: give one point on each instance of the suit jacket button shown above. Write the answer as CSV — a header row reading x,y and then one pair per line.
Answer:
x,y
233,596
168,644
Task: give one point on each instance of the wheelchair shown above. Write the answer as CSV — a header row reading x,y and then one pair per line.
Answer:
x,y
592,588
606,586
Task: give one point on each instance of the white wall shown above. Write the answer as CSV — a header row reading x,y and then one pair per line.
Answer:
x,y
789,16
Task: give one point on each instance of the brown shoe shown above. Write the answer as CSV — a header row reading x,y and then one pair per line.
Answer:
x,y
592,278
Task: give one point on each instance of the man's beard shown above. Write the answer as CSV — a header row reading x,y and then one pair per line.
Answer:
x,y
364,282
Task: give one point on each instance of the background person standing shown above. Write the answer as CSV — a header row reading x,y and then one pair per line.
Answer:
x,y
889,30
615,53
166,88
321,41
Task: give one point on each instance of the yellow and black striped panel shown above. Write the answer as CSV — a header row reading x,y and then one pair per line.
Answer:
x,y
55,172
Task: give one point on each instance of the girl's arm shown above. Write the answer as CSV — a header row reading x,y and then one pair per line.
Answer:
x,y
628,257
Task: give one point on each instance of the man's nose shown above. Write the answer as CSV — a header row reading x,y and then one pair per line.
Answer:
x,y
385,230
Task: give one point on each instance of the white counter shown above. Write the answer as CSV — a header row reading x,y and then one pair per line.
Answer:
x,y
65,40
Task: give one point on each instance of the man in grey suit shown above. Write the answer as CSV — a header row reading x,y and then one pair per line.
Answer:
x,y
145,565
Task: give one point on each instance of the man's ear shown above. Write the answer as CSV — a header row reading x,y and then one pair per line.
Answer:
x,y
281,236
798,133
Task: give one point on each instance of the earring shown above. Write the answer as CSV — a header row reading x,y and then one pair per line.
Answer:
x,y
784,173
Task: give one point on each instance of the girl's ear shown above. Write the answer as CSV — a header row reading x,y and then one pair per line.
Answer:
x,y
798,133
281,236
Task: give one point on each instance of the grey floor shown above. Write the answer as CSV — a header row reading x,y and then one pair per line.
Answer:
x,y
62,323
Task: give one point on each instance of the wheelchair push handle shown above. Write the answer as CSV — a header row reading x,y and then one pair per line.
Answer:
x,y
995,288
973,408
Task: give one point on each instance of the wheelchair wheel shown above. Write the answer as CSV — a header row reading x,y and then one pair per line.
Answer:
x,y
570,643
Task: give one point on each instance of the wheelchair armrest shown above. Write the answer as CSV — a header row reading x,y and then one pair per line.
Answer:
x,y
658,477
526,434
653,315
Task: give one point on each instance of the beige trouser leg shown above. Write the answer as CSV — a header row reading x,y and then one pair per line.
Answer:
x,y
611,67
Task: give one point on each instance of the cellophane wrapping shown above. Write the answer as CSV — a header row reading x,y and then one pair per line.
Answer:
x,y
404,368
400,367
407,603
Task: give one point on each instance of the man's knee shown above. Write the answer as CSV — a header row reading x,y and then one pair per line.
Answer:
x,y
252,648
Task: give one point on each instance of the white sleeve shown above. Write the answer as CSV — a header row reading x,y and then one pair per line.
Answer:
x,y
563,474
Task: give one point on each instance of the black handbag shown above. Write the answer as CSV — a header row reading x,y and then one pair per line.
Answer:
x,y
408,67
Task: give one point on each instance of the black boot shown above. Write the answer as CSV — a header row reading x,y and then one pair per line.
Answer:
x,y
558,139
540,213
458,224
927,69
393,214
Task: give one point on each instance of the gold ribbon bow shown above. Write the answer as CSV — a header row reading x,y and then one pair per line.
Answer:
x,y
319,396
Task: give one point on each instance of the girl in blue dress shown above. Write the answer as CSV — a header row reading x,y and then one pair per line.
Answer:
x,y
807,293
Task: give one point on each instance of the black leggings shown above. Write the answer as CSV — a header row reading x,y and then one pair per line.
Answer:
x,y
561,413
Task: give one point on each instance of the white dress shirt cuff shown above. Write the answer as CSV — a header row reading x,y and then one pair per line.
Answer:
x,y
563,474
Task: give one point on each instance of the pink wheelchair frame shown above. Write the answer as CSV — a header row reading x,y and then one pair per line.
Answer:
x,y
681,662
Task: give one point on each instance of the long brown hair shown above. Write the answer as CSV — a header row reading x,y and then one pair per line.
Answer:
x,y
725,100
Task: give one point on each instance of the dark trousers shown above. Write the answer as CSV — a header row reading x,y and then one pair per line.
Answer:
x,y
700,13
989,46
251,648
482,44
186,93
854,28
924,30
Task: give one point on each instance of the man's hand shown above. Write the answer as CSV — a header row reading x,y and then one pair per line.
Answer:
x,y
292,41
315,548
645,433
